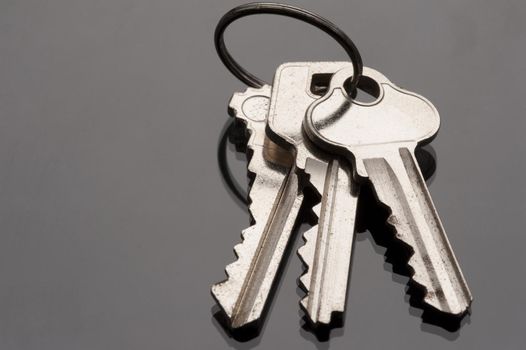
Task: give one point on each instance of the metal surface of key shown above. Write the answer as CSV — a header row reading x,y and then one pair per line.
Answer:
x,y
328,245
274,204
380,138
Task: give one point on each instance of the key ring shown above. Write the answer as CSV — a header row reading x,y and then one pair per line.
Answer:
x,y
288,11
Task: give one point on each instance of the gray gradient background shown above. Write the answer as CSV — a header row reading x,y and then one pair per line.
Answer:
x,y
114,220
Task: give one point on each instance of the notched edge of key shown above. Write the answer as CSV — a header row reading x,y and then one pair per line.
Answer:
x,y
307,252
242,307
253,329
235,110
373,216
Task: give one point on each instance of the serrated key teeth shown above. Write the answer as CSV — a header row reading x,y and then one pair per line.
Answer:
x,y
251,277
306,251
220,294
306,255
238,250
317,209
301,253
229,269
454,305
393,221
304,303
247,233
310,235
305,278
305,282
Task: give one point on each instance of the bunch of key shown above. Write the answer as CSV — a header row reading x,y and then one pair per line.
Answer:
x,y
308,131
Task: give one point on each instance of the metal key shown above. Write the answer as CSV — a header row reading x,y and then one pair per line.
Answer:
x,y
380,138
274,204
328,245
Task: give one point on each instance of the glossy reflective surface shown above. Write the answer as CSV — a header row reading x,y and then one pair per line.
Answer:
x,y
115,221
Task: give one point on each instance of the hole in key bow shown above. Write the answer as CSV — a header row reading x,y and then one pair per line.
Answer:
x,y
368,90
320,83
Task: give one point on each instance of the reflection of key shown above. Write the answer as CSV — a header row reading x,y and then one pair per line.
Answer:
x,y
380,138
328,246
274,205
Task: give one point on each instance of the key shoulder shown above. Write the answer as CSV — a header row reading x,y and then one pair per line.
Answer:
x,y
396,117
291,96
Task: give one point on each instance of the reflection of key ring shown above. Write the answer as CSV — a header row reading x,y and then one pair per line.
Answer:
x,y
283,10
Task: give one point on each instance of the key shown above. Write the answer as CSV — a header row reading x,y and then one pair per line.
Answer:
x,y
274,204
328,245
380,139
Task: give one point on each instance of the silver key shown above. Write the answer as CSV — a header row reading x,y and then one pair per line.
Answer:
x,y
274,204
380,138
328,246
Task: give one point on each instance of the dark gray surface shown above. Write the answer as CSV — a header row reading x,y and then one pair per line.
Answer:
x,y
114,220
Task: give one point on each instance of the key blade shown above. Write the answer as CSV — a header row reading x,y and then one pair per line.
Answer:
x,y
244,294
274,205
328,245
399,184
